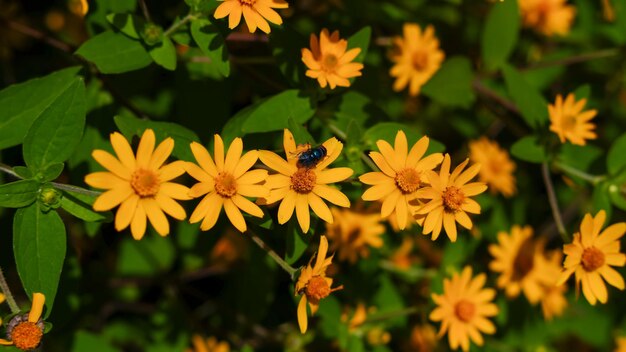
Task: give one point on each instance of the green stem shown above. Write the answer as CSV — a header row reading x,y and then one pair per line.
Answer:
x,y
593,179
344,136
69,188
177,25
600,54
283,264
7,293
556,213
8,170
393,314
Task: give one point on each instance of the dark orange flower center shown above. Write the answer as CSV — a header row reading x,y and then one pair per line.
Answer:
x,y
247,2
225,185
329,62
568,122
26,336
523,262
592,259
453,198
318,288
464,310
303,180
408,180
145,182
419,60
353,235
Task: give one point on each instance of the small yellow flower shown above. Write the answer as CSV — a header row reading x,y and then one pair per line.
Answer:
x,y
25,331
353,233
449,195
548,17
403,173
620,344
358,317
313,285
416,57
496,166
591,255
554,302
209,345
229,248
423,338
139,184
401,257
302,187
256,13
78,7
520,261
329,62
570,122
464,308
225,182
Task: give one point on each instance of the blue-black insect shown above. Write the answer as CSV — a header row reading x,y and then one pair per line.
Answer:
x,y
311,156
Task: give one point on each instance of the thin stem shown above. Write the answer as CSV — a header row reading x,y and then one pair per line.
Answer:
x,y
600,54
593,179
7,293
283,264
9,170
392,314
177,25
556,213
144,9
75,189
344,136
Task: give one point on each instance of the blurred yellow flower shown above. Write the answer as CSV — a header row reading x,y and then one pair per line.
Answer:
x,y
225,182
358,317
209,345
313,285
423,338
520,261
416,57
228,249
570,122
464,308
402,257
256,13
548,17
620,344
450,201
496,166
78,7
353,233
25,332
300,187
591,255
329,62
554,302
403,173
139,184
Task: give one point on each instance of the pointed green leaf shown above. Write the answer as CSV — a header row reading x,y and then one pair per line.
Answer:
x,y
114,52
53,137
211,42
529,149
39,246
500,33
164,54
532,106
80,205
360,39
128,24
297,242
452,84
615,160
19,193
23,103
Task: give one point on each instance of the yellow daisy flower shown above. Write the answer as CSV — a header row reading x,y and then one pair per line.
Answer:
x,y
313,285
256,13
416,57
25,331
520,261
209,345
570,122
403,173
464,308
225,182
620,344
329,62
353,233
139,184
450,201
591,255
548,17
300,187
554,302
496,166
423,338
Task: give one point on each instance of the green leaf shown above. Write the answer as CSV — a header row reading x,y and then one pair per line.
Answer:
x,y
388,299
54,135
387,131
51,172
114,52
360,39
601,199
128,24
300,134
452,84
583,92
131,126
23,103
615,160
211,42
23,172
532,106
270,114
39,246
19,193
164,54
80,205
297,242
150,256
529,149
617,191
500,33
86,341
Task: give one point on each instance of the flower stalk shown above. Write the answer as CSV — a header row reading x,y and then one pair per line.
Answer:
x,y
554,205
593,179
283,264
7,293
